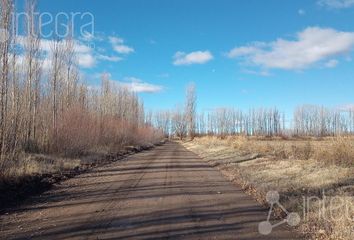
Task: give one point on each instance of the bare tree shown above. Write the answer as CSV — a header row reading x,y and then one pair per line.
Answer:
x,y
56,80
6,10
72,75
179,123
191,100
33,71
312,120
162,120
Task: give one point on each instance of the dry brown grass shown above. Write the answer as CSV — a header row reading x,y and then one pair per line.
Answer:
x,y
338,150
321,170
330,150
32,164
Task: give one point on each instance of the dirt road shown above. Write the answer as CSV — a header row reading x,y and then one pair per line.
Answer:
x,y
165,193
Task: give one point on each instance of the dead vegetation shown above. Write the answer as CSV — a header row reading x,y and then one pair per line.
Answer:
x,y
313,176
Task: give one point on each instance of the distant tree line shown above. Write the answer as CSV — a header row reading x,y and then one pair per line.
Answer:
x,y
311,120
221,122
307,120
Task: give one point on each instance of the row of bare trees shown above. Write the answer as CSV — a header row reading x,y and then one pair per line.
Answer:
x,y
311,120
186,122
308,120
221,122
181,121
228,121
46,107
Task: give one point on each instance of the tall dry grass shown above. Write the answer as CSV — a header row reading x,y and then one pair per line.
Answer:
x,y
320,170
330,150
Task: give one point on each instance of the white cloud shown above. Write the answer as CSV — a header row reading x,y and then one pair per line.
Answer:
x,y
198,57
109,58
119,46
140,87
246,50
130,83
311,46
137,85
337,4
124,49
301,12
89,37
331,63
86,60
115,40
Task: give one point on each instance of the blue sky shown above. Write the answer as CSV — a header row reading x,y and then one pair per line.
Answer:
x,y
241,54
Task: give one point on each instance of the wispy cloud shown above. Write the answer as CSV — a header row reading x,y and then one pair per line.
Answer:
x,y
89,37
119,46
312,45
109,58
115,40
133,84
138,86
198,57
336,4
123,49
